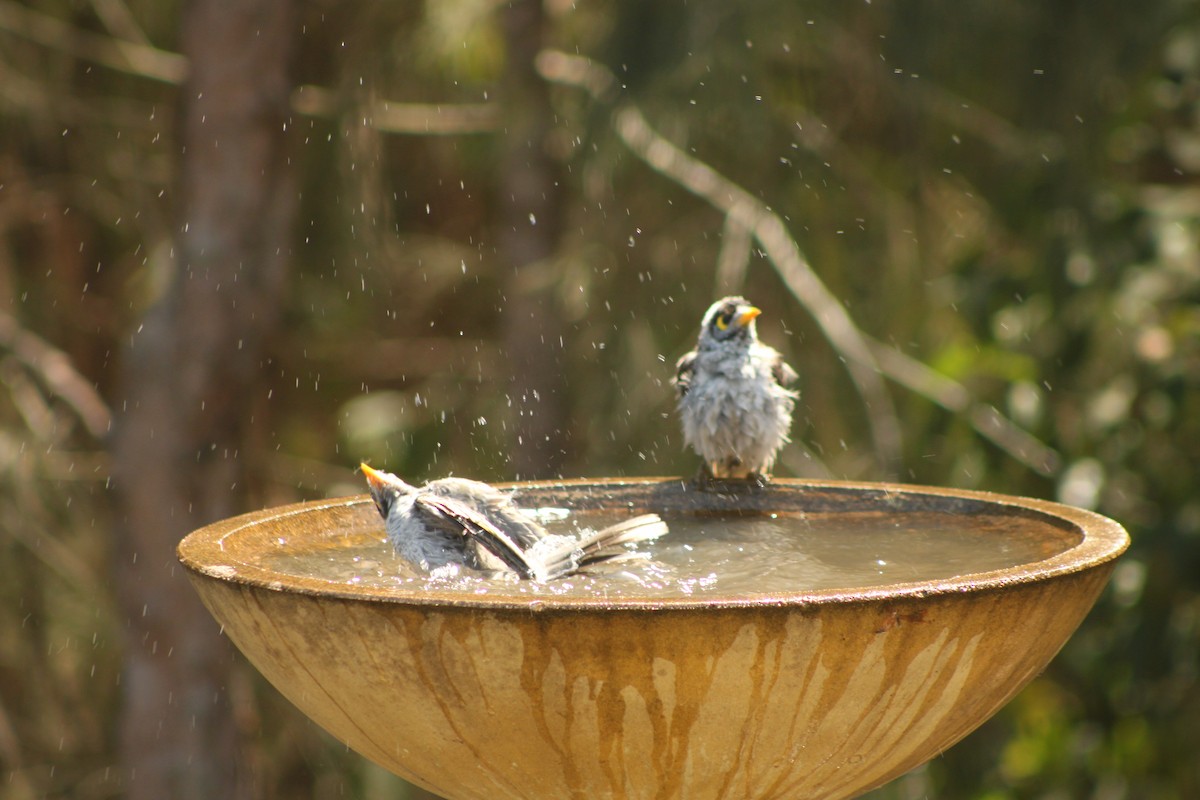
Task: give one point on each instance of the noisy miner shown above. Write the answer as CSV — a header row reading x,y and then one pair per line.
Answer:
x,y
732,395
455,521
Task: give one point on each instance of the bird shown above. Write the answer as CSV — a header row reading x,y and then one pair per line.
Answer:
x,y
457,522
732,395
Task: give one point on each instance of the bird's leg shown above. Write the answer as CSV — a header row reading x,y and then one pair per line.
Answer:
x,y
734,469
714,477
718,476
705,477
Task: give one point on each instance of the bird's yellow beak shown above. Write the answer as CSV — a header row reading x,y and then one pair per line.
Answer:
x,y
374,477
748,315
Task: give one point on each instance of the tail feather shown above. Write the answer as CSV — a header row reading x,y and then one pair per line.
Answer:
x,y
564,554
642,528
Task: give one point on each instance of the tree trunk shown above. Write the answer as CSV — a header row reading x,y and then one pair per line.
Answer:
x,y
186,376
530,196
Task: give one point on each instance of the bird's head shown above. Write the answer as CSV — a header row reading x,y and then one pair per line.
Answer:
x,y
730,319
385,488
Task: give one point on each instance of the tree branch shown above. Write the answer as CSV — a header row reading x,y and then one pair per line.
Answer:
x,y
951,395
125,56
55,370
421,119
142,60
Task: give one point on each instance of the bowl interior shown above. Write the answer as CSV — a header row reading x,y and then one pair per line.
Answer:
x,y
1025,538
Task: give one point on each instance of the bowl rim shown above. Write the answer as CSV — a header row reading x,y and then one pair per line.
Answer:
x,y
1101,541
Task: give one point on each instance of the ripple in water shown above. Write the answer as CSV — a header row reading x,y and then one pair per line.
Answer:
x,y
711,555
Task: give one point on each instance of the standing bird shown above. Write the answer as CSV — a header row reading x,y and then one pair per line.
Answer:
x,y
732,395
455,521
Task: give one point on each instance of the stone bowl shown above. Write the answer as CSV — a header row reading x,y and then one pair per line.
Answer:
x,y
798,694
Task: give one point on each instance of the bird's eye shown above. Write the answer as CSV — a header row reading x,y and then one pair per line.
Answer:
x,y
723,319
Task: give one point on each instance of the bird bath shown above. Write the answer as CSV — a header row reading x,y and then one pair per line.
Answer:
x,y
793,692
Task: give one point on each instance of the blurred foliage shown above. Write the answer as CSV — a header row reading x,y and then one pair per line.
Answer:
x,y
1006,191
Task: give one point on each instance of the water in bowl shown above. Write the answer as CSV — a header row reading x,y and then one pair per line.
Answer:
x,y
712,555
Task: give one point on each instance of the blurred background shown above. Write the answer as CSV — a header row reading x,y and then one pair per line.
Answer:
x,y
245,245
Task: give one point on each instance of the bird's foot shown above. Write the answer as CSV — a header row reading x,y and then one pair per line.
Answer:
x,y
704,480
760,480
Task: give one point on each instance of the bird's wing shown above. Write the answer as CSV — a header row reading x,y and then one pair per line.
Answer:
x,y
784,374
482,530
683,373
524,528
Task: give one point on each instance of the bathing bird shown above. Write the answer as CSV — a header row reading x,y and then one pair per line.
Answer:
x,y
732,395
455,521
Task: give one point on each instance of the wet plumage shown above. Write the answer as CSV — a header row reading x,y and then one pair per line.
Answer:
x,y
455,521
732,393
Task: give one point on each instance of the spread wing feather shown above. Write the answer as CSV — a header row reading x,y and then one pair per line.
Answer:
x,y
683,373
782,371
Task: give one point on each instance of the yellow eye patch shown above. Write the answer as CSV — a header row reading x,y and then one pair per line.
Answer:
x,y
722,320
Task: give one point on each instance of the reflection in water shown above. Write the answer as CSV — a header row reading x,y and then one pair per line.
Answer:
x,y
709,555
